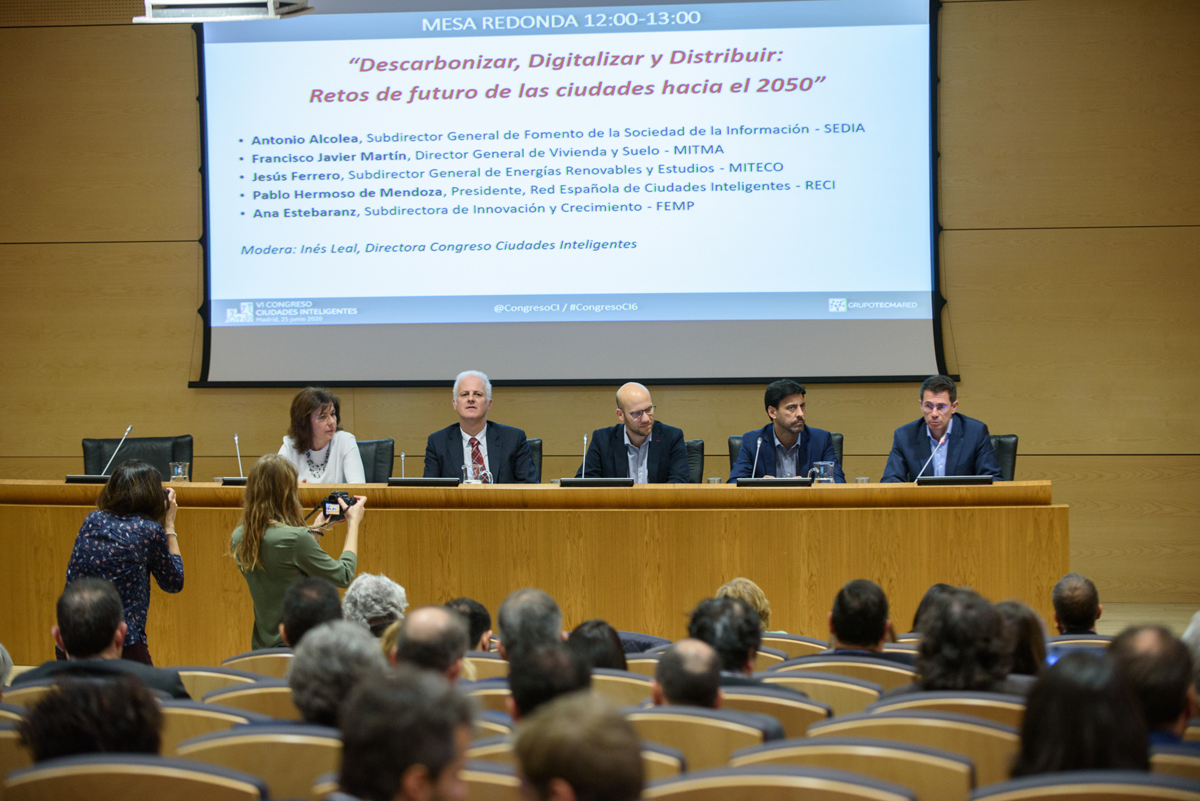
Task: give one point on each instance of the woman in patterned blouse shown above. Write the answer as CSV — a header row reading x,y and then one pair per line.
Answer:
x,y
130,536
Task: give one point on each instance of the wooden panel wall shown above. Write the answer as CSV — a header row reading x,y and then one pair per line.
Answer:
x,y
1070,195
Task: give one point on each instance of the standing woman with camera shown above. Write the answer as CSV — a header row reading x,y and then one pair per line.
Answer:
x,y
273,546
130,537
316,445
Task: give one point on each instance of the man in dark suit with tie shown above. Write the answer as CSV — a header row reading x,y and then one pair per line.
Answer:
x,y
496,453
786,447
638,447
966,448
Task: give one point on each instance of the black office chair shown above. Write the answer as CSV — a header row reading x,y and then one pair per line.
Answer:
x,y
377,457
695,454
735,447
1005,446
535,453
158,452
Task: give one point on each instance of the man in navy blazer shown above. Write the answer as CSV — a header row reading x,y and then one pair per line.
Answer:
x,y
789,447
638,447
967,447
501,450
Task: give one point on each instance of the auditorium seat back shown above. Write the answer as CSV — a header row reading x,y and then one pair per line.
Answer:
x,y
842,694
1005,447
1176,760
13,755
270,662
695,457
1097,785
183,720
115,777
377,457
776,783
621,687
289,758
793,645
705,736
158,452
11,713
487,664
489,723
795,714
271,697
535,454
200,680
881,671
490,694
491,781
27,695
998,707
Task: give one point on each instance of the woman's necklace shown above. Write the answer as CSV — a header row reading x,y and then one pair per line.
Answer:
x,y
318,470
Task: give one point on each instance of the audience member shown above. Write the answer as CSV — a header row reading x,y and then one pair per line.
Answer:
x,y
859,624
91,631
528,619
965,646
578,748
1191,638
405,738
329,662
308,602
433,638
687,674
90,717
1158,668
1081,715
129,538
1076,605
598,644
731,627
1027,636
479,622
6,665
932,594
374,602
542,675
751,593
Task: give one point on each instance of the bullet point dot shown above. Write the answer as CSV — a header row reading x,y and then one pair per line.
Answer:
x,y
241,176
240,158
243,214
241,140
243,194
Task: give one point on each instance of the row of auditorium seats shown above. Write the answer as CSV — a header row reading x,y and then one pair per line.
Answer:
x,y
378,455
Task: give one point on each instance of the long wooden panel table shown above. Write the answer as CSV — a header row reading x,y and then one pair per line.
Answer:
x,y
640,558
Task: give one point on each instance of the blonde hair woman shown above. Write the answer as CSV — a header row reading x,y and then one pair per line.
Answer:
x,y
273,546
746,590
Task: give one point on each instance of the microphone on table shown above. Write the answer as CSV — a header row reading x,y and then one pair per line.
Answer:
x,y
754,466
118,448
583,470
237,448
401,464
940,442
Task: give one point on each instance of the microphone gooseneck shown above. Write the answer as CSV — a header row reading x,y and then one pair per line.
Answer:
x,y
238,448
754,466
940,442
401,464
583,470
115,451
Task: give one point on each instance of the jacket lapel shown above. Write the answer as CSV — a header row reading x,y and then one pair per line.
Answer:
x,y
954,448
618,452
766,458
655,455
922,448
495,452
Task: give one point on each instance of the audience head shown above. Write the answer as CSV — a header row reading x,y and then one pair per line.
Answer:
x,y
931,595
542,675
1191,638
374,602
731,627
859,618
528,619
91,620
579,747
1081,716
308,602
329,662
1027,637
308,402
6,664
688,674
434,638
965,644
479,622
271,496
751,593
134,490
598,645
405,737
1158,668
89,717
1076,604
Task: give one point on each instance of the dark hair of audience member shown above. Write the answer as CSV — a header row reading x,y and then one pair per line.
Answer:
x,y
1081,715
860,613
1076,602
965,644
689,678
81,716
477,617
1027,637
1158,667
134,490
391,722
931,595
309,602
581,740
731,627
420,644
89,612
598,644
545,673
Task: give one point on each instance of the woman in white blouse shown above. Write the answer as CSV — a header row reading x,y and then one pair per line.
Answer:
x,y
316,445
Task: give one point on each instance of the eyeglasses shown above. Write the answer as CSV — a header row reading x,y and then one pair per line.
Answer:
x,y
941,407
638,414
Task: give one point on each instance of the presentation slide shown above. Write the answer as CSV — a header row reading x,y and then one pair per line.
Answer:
x,y
583,193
